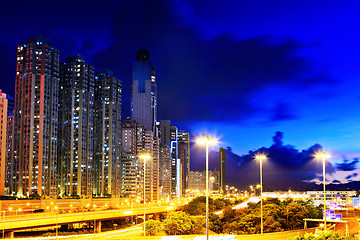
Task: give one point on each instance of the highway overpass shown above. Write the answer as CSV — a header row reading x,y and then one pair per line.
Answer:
x,y
28,221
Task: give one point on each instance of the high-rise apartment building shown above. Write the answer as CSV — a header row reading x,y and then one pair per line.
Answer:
x,y
184,156
36,118
170,165
222,170
197,182
76,121
9,162
144,91
107,174
3,134
135,142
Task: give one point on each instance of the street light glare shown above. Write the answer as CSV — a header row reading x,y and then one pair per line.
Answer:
x,y
322,155
260,157
145,156
207,140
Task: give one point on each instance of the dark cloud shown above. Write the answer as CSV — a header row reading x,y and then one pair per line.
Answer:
x,y
351,176
285,167
335,181
347,165
278,139
198,79
282,112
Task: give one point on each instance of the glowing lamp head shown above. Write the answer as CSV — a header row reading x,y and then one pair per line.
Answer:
x,y
260,157
206,140
322,155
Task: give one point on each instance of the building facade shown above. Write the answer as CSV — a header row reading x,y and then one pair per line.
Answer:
x,y
170,164
184,156
144,91
331,196
222,170
107,162
197,183
36,118
3,138
76,121
135,141
9,162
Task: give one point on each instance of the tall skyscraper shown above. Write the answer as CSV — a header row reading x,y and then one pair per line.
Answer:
x,y
222,170
184,156
3,134
36,118
76,135
135,142
9,156
107,174
9,162
170,166
144,91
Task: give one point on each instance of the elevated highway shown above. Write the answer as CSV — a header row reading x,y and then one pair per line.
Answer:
x,y
28,221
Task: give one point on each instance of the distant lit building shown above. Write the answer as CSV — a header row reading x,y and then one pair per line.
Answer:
x,y
9,163
285,195
165,172
197,182
144,91
135,141
76,123
36,118
184,156
331,196
170,165
107,139
222,170
3,138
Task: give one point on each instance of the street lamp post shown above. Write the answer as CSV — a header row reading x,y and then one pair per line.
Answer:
x,y
4,224
207,140
323,156
261,158
144,157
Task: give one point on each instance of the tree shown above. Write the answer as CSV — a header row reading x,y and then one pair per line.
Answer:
x,y
198,205
180,223
195,208
153,227
215,223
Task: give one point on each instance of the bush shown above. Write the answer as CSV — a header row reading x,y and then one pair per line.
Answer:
x,y
153,227
198,205
321,235
180,223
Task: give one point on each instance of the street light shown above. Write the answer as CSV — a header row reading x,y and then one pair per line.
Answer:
x,y
144,157
207,140
261,158
323,156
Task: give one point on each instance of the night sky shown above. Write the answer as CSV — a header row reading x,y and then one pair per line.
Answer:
x,y
279,76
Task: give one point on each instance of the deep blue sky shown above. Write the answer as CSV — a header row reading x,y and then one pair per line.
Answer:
x,y
240,70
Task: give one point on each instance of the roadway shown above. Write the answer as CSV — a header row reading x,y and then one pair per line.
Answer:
x,y
241,205
28,221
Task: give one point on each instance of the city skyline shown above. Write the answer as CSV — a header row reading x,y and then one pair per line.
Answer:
x,y
238,71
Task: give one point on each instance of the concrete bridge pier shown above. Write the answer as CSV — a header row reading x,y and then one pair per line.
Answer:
x,y
9,235
157,216
98,227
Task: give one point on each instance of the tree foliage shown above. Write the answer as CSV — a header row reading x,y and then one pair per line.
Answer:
x,y
198,205
181,223
153,227
277,216
321,235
